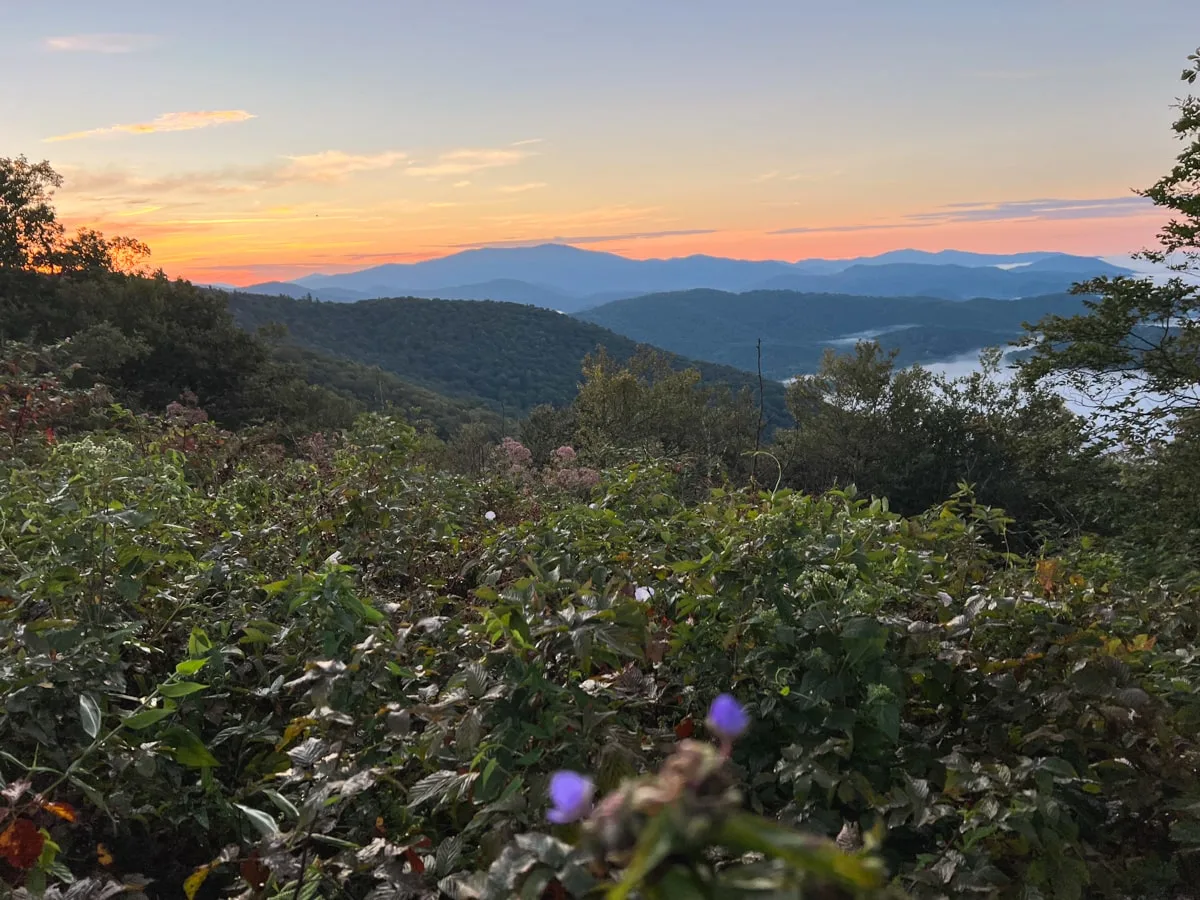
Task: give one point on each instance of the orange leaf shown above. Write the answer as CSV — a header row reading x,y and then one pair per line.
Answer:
x,y
103,856
64,811
21,844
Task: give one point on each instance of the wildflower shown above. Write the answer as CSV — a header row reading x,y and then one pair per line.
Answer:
x,y
643,594
490,516
570,797
728,720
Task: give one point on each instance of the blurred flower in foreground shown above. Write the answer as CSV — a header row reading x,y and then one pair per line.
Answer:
x,y
490,516
570,797
728,721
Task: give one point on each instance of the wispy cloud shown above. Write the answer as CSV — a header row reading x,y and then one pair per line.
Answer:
x,y
527,142
334,165
100,43
1041,209
464,162
582,239
177,121
1000,211
462,184
764,177
521,188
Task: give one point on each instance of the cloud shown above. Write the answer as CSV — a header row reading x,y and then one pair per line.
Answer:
x,y
100,43
334,165
464,162
125,186
582,239
765,177
527,142
521,188
178,121
462,184
836,229
1041,210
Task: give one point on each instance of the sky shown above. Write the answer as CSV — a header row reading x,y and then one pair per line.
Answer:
x,y
256,140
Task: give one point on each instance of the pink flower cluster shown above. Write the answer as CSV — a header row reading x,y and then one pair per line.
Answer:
x,y
518,455
185,415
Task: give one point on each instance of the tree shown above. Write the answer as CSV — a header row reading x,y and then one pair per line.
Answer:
x,y
1140,339
29,229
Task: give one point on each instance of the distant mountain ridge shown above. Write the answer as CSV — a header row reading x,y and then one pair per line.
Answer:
x,y
570,279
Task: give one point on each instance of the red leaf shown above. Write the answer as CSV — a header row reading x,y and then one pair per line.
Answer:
x,y
685,729
21,844
414,860
254,872
50,439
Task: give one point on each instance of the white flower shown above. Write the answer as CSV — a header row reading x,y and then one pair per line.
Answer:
x,y
490,516
643,594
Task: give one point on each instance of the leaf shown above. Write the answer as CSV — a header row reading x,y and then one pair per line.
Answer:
x,y
431,786
21,844
147,717
262,821
653,847
748,833
192,883
285,805
103,856
187,749
254,872
89,713
190,666
176,689
64,811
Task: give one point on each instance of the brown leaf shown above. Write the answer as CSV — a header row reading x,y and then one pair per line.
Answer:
x,y
254,872
21,844
685,729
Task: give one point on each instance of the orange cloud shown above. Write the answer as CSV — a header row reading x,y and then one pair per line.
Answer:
x,y
464,162
334,165
521,188
178,121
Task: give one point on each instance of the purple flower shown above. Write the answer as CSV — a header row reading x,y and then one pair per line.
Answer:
x,y
570,797
727,718
643,594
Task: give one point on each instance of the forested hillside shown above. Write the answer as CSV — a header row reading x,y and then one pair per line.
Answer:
x,y
935,638
796,328
509,355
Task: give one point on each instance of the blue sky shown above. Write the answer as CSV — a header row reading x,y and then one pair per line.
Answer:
x,y
338,132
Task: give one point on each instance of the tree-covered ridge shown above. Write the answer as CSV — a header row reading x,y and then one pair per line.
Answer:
x,y
796,328
513,356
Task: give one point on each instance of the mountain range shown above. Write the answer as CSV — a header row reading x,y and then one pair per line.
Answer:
x,y
570,279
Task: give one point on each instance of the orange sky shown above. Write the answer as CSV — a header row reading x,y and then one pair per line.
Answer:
x,y
330,141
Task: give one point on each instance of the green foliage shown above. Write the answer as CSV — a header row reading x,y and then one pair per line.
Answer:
x,y
913,436
337,674
513,357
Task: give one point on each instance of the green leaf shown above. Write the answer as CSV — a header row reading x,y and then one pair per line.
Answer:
x,y
187,749
746,833
260,820
190,666
89,713
147,717
285,805
652,848
176,689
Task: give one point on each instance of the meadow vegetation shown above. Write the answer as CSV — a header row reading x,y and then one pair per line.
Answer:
x,y
267,635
